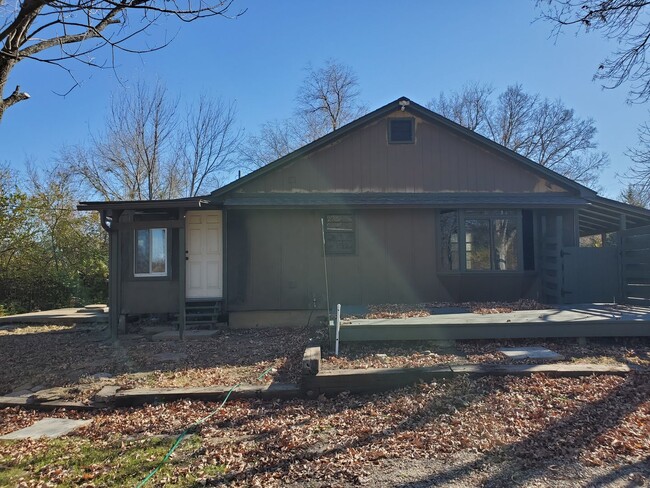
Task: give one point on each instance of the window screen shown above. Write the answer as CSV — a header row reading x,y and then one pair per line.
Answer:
x,y
340,234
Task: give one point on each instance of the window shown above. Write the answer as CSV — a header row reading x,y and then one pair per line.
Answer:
x,y
480,240
339,234
150,252
401,131
449,232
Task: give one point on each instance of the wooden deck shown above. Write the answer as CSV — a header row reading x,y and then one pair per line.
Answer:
x,y
585,320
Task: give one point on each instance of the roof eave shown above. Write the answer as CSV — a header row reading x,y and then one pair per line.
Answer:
x,y
144,204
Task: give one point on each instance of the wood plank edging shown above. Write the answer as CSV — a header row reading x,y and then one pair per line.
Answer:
x,y
329,382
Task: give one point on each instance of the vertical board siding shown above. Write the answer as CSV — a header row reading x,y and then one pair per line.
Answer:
x,y
635,265
440,160
275,262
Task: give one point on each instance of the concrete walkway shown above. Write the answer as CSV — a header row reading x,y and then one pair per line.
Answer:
x,y
62,316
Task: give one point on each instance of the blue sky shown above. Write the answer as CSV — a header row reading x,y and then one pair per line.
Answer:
x,y
416,49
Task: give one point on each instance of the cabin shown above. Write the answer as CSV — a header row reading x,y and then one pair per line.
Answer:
x,y
400,206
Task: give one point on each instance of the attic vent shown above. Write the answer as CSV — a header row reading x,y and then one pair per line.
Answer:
x,y
401,131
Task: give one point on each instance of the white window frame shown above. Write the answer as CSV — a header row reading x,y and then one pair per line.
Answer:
x,y
135,253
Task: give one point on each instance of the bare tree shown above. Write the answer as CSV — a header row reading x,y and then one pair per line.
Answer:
x,y
638,189
146,153
131,159
58,31
467,106
275,139
626,22
543,130
327,99
208,145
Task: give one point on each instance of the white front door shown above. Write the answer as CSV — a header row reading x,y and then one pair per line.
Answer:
x,y
204,254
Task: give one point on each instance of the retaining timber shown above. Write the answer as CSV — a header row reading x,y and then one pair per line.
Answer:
x,y
328,382
140,396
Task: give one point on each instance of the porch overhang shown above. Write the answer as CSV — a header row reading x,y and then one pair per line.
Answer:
x,y
601,215
186,203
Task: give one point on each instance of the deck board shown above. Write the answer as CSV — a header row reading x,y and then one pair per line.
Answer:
x,y
586,320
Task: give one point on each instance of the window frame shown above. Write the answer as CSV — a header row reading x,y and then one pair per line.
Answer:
x,y
150,274
491,215
390,130
352,231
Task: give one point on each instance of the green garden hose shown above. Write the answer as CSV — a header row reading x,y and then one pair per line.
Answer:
x,y
180,438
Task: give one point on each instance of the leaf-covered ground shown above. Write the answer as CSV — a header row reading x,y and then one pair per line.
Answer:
x,y
632,351
57,356
535,431
405,310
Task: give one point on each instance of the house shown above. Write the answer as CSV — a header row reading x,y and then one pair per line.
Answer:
x,y
399,206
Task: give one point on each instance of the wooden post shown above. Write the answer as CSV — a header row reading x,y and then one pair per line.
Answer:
x,y
622,279
181,275
558,253
338,327
576,228
224,261
113,312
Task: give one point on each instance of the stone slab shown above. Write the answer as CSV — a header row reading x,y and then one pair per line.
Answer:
x,y
530,353
189,335
48,427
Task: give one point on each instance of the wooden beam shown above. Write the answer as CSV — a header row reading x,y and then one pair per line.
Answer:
x,y
150,224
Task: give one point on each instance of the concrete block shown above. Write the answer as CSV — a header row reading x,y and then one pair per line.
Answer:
x,y
311,361
106,394
530,353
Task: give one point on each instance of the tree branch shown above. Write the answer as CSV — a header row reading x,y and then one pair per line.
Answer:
x,y
14,98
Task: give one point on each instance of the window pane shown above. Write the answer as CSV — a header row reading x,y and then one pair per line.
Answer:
x,y
449,240
477,244
506,244
142,251
158,250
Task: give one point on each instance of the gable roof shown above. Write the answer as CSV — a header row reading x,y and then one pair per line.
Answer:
x,y
424,113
